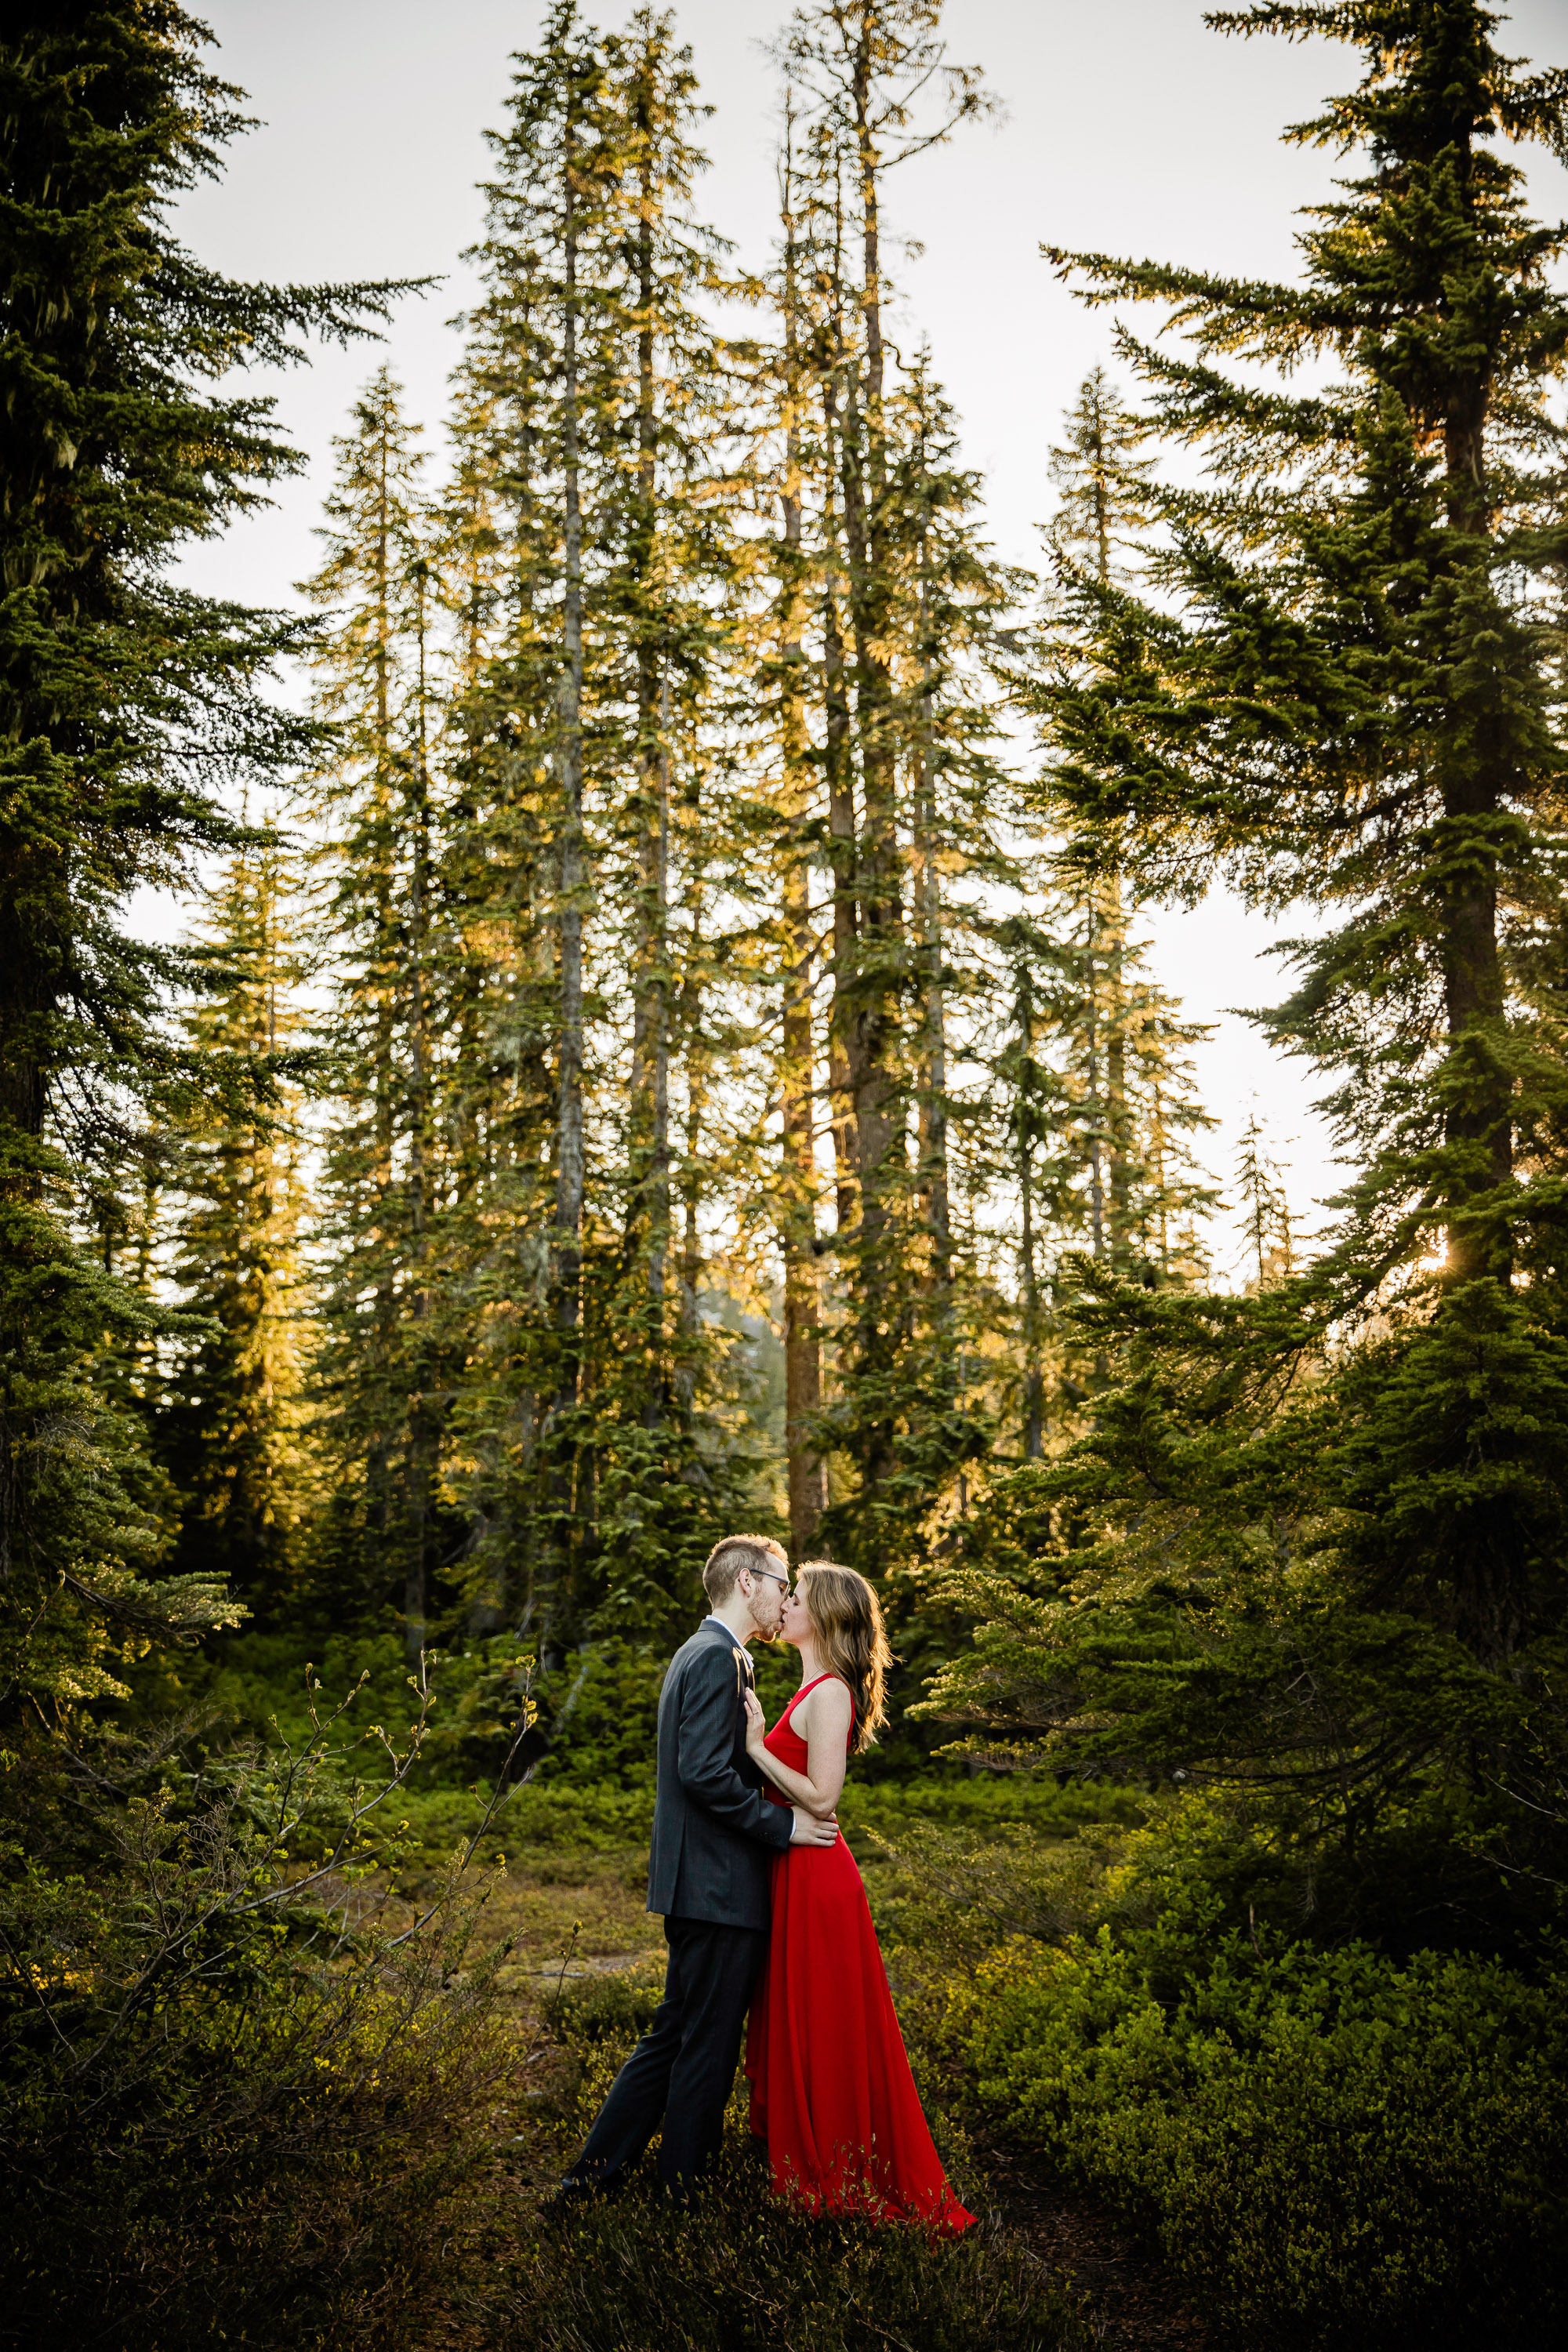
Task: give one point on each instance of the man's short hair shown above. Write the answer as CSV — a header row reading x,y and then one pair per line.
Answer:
x,y
732,1554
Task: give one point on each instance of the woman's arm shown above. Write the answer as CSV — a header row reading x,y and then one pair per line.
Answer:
x,y
705,1748
819,1786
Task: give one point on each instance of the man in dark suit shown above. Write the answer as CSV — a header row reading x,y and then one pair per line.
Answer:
x,y
714,1838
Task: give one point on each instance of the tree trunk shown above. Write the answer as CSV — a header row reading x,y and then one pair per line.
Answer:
x,y
933,1086
868,1032
696,1057
1094,1105
871,577
878,1115
569,1167
383,1109
803,1343
424,1433
650,1019
1478,1120
1034,1382
1115,1031
1117,1120
841,833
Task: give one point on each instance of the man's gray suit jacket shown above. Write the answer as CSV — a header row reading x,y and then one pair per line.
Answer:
x,y
714,1832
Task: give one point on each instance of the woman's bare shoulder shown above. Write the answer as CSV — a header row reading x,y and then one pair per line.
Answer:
x,y
829,1701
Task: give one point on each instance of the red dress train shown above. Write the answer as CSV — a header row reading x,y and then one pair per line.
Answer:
x,y
832,2094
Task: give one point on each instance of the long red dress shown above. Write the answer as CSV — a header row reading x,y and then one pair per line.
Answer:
x,y
831,2089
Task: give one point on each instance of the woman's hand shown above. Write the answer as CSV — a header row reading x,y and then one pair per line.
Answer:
x,y
756,1723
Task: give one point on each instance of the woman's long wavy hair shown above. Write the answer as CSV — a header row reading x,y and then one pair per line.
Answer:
x,y
846,1618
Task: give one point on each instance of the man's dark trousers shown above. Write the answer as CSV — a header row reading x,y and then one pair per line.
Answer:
x,y
681,2070
715,1840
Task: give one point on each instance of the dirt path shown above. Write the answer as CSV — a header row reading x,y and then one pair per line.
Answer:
x,y
1134,2306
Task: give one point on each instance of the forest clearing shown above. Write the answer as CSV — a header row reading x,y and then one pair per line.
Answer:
x,y
663,1036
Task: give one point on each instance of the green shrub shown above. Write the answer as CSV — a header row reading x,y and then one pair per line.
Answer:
x,y
608,1816
286,2154
992,1803
593,1790
235,2103
601,1710
614,2008
539,1818
1336,2150
260,2199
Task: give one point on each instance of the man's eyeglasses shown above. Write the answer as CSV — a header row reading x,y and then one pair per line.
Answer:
x,y
783,1581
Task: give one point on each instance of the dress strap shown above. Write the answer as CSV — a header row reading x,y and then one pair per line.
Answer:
x,y
828,1675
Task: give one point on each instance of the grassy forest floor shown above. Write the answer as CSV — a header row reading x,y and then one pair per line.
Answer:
x,y
1179,2132
583,1970
584,1946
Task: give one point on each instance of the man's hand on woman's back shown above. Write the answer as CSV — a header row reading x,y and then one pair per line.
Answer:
x,y
809,1831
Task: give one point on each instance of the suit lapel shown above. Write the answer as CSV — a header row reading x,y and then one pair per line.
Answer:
x,y
745,1672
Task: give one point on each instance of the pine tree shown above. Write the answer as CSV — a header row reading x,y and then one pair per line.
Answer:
x,y
1343,690
1032,1094
383,1361
546,359
1120,1169
1101,1110
1100,531
595,423
1101,1105
861,74
805,1470
1173,1195
231,1431
1265,1206
951,597
1101,472
130,703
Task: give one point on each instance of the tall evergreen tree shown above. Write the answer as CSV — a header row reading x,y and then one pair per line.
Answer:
x,y
1119,1169
594,428
872,87
384,1361
231,1428
131,704
1265,1206
1100,530
806,1471
1101,1104
546,351
1345,690
1101,471
907,1415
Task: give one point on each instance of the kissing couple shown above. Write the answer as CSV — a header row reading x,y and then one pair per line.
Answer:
x,y
765,1910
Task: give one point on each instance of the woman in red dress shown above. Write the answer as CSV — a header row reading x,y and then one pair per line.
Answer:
x,y
832,2094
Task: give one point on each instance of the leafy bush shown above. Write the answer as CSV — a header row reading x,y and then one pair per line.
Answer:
x,y
737,2273
601,1709
594,1791
289,2160
260,1683
614,2008
1337,2150
541,1818
993,1804
238,2100
555,1812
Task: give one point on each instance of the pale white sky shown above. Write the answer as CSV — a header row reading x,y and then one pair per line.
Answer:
x,y
1127,127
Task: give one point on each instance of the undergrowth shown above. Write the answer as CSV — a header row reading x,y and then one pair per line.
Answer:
x,y
738,2273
